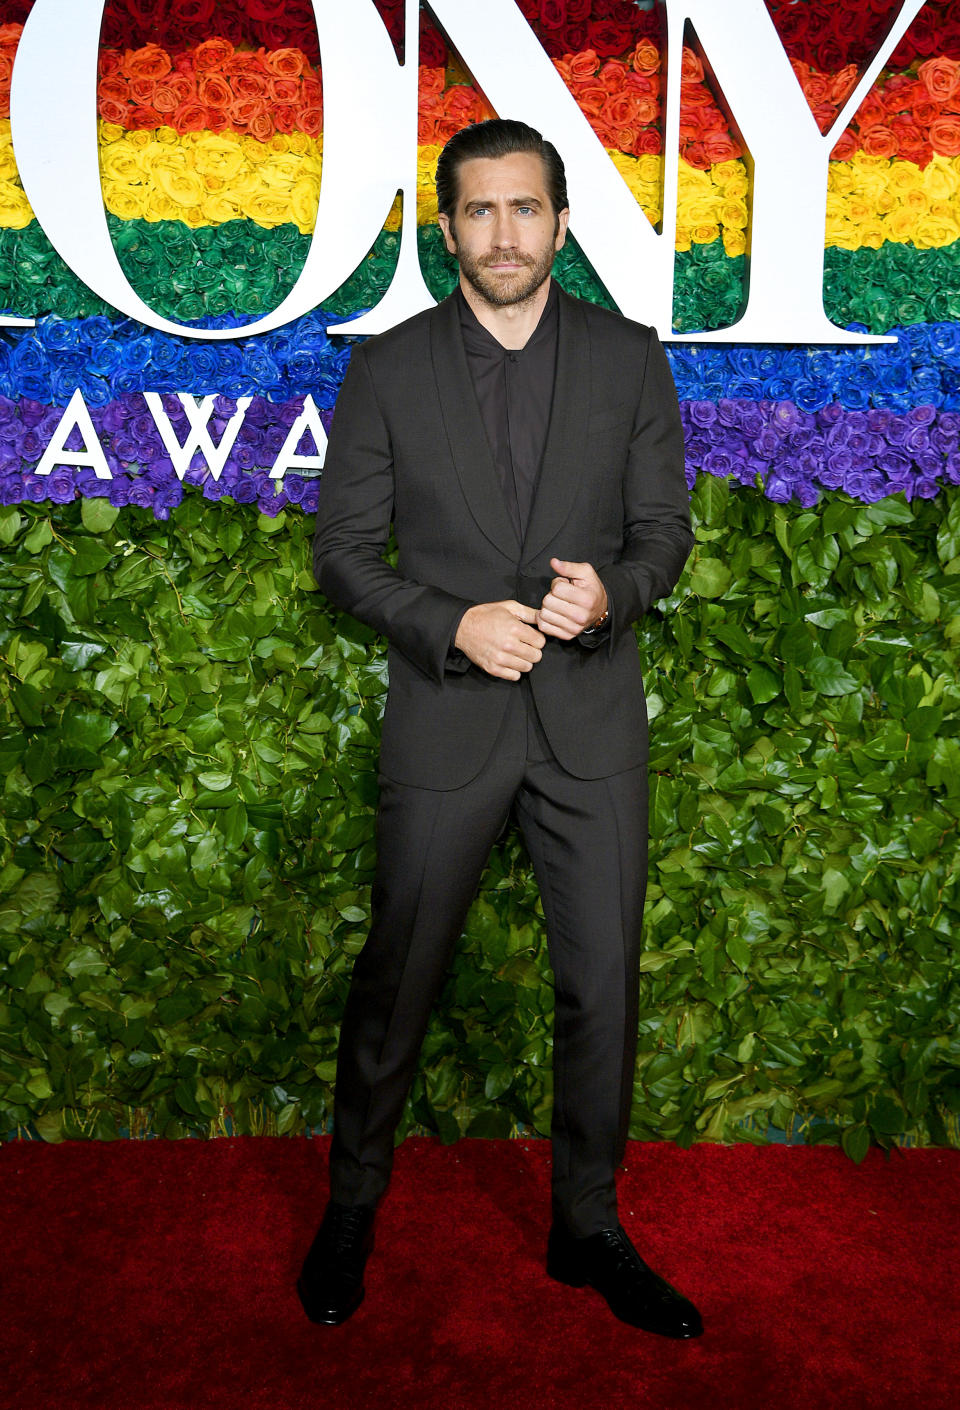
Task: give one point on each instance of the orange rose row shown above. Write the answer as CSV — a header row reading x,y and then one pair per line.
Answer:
x,y
216,87
213,87
257,93
908,117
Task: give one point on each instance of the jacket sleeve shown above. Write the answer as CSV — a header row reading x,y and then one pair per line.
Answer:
x,y
657,536
354,514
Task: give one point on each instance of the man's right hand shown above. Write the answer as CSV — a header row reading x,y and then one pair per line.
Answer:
x,y
500,638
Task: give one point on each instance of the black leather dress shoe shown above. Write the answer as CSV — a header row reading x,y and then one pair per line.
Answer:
x,y
330,1284
609,1262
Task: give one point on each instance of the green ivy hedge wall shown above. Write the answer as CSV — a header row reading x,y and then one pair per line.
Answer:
x,y
188,740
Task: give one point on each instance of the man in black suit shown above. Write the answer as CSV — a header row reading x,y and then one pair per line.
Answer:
x,y
527,449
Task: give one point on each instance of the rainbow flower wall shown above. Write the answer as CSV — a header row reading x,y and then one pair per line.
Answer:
x,y
211,154
188,732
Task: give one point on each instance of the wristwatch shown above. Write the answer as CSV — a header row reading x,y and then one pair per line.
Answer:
x,y
601,621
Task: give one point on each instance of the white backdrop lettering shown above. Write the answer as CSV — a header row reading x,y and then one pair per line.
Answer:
x,y
373,107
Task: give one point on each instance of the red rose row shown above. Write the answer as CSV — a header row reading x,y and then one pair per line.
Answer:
x,y
611,27
822,33
827,35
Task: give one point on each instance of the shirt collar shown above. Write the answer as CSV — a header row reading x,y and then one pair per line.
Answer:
x,y
480,340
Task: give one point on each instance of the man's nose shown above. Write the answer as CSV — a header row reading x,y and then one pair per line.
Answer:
x,y
503,232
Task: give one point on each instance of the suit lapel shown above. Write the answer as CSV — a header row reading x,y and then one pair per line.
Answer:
x,y
464,426
565,458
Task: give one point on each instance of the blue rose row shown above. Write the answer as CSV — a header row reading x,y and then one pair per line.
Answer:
x,y
109,358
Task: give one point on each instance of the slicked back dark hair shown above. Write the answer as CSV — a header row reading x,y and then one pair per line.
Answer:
x,y
498,137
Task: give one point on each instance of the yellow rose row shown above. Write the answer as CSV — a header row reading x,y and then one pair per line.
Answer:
x,y
871,200
206,178
200,178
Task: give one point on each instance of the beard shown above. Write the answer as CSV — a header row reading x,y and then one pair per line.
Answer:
x,y
502,290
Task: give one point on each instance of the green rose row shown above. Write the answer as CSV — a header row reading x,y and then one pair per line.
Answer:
x,y
190,274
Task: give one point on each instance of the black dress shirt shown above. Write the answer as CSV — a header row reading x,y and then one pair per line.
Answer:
x,y
514,389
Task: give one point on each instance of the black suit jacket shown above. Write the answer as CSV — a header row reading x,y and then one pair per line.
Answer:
x,y
408,446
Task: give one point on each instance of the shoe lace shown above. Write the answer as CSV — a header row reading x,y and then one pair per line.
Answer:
x,y
347,1227
626,1258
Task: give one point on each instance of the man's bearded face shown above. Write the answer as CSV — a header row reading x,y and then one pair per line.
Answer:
x,y
505,235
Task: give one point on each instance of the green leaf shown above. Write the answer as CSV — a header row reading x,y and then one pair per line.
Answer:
x,y
206,854
829,617
215,779
10,522
709,501
892,510
28,702
653,960
828,677
89,728
79,654
763,684
89,557
835,886
710,578
234,826
499,1079
739,951
732,635
50,1127
98,515
796,643
948,536
39,536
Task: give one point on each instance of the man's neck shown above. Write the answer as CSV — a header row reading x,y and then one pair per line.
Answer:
x,y
511,324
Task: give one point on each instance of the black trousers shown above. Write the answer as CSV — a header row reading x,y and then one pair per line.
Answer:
x,y
587,839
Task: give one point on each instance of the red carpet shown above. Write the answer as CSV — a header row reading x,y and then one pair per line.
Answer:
x,y
159,1276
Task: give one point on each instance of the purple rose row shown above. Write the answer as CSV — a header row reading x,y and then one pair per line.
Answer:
x,y
141,469
793,454
798,454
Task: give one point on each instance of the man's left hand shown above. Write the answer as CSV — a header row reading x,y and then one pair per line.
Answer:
x,y
576,599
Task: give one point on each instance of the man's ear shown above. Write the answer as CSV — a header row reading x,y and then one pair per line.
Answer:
x,y
446,226
563,219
